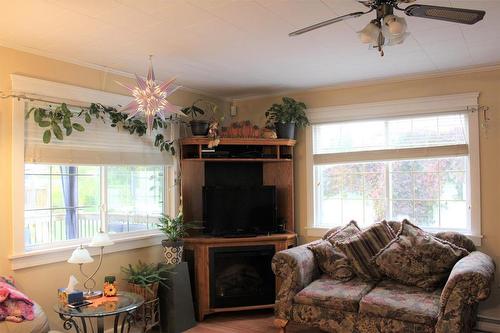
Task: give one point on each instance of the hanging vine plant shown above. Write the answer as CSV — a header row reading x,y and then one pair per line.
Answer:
x,y
60,121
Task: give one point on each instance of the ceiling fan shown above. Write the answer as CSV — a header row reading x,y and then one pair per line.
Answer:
x,y
389,29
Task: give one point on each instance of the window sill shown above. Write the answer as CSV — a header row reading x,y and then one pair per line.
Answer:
x,y
62,253
319,232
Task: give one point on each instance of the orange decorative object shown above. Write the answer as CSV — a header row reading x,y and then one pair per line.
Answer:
x,y
109,289
103,301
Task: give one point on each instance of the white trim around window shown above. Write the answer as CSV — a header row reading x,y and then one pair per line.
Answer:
x,y
60,252
467,102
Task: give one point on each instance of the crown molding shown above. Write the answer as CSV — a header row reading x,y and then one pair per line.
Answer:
x,y
97,67
372,82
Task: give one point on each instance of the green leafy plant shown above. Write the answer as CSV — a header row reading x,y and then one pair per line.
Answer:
x,y
290,111
61,117
144,274
194,111
173,227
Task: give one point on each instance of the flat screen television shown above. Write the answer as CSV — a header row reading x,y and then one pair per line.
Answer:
x,y
235,211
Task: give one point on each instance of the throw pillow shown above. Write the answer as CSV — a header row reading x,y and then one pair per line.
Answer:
x,y
331,261
330,232
395,226
350,229
418,258
457,239
359,249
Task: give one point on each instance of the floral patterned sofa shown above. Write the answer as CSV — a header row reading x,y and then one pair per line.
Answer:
x,y
309,297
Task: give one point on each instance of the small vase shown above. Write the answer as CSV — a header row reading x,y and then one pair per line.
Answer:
x,y
172,251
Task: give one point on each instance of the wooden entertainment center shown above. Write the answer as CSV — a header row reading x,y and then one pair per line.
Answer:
x,y
275,156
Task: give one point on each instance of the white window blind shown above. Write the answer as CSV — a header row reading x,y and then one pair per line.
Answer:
x,y
99,144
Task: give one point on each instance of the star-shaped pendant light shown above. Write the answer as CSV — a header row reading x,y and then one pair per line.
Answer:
x,y
150,98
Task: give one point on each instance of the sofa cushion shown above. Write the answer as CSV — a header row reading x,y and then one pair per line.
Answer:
x,y
334,294
331,260
457,239
38,325
360,249
417,258
391,299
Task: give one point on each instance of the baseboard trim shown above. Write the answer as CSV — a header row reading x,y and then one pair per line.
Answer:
x,y
487,326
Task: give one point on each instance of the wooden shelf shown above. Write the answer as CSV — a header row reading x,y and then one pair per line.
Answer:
x,y
239,141
225,159
287,236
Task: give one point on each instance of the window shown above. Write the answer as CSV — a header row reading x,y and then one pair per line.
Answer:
x,y
416,167
71,202
63,192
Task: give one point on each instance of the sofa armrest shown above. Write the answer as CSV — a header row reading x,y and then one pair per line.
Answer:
x,y
469,282
295,268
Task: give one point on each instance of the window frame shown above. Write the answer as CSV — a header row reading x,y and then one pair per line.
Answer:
x,y
60,251
467,102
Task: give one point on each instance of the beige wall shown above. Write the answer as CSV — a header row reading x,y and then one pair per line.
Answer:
x,y
42,282
487,83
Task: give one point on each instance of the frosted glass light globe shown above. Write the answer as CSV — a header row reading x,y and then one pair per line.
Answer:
x,y
395,25
369,34
80,256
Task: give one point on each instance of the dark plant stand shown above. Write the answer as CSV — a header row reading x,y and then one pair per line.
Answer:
x,y
148,315
176,301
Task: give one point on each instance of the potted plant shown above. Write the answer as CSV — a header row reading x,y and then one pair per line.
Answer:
x,y
286,116
199,127
143,279
174,229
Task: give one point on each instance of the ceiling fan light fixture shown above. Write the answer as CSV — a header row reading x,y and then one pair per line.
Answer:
x,y
395,25
369,34
395,40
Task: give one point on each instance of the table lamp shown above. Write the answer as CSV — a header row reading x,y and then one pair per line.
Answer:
x,y
82,256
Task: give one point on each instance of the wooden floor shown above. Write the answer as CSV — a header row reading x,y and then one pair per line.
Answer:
x,y
245,322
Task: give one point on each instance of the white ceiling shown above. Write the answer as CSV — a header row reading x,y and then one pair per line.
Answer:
x,y
233,48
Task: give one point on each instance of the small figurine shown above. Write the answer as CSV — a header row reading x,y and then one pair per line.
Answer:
x,y
213,134
109,289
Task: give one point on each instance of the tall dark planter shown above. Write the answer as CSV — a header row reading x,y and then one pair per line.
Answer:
x,y
199,127
285,130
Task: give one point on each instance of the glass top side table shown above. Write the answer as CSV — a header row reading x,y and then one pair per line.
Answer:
x,y
123,305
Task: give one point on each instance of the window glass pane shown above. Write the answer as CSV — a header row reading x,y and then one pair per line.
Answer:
x,y
135,197
37,191
55,198
347,192
89,193
430,192
424,131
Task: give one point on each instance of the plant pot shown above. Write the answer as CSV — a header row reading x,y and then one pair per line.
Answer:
x,y
172,251
149,292
285,130
199,127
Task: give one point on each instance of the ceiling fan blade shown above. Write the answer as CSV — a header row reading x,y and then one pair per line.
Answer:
x,y
325,23
458,15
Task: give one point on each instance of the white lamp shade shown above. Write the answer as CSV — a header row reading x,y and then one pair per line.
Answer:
x,y
395,25
80,256
101,239
369,34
